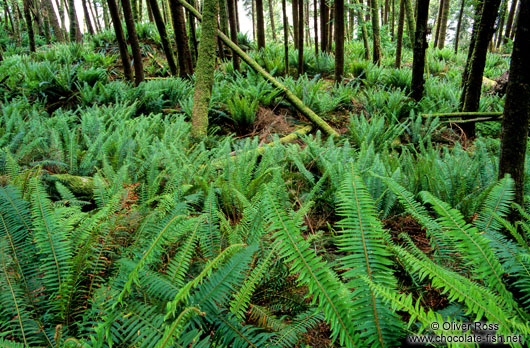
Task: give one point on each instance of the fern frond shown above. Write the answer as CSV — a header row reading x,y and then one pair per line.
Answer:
x,y
210,239
322,283
497,202
179,265
290,334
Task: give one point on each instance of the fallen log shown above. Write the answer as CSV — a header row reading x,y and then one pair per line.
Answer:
x,y
293,99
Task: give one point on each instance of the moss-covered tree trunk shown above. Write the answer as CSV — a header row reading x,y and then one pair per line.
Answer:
x,y
168,51
376,32
324,18
122,45
29,24
260,21
517,107
500,26
93,11
285,37
409,15
509,21
54,21
443,23
193,37
436,35
478,61
271,16
181,39
459,24
205,70
399,43
300,37
87,17
339,40
133,39
364,32
420,45
233,31
330,28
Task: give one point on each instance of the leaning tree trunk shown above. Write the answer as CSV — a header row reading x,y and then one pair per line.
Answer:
x,y
324,18
517,107
339,40
54,21
122,45
459,25
133,39
420,45
509,22
168,51
233,31
181,39
375,31
285,37
29,23
315,25
300,37
87,17
399,42
364,32
409,15
443,23
271,16
260,20
205,70
478,61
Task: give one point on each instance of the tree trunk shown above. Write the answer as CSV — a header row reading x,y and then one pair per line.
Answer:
x,y
307,34
181,39
295,23
233,32
387,9
261,24
445,19
74,26
54,21
399,43
315,25
502,16
324,18
124,52
438,22
459,25
140,10
364,32
237,16
392,24
223,17
285,37
330,27
420,45
375,31
87,17
93,11
133,39
300,37
134,11
205,70
509,22
31,33
168,51
478,61
515,21
254,26
271,16
409,15
193,38
517,108
150,12
339,40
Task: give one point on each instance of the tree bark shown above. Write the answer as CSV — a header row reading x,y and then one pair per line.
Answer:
x,y
193,38
420,45
74,27
324,18
330,27
271,16
260,24
409,15
339,40
168,51
515,21
300,37
181,39
295,23
29,24
399,43
133,39
87,17
478,61
517,108
443,28
375,31
122,45
459,25
500,27
436,35
54,21
285,37
509,22
315,24
233,32
364,32
205,70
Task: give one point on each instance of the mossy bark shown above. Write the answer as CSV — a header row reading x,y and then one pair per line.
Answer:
x,y
205,70
443,23
420,45
122,45
339,40
517,107
293,99
399,43
271,16
54,21
364,33
500,27
409,15
376,32
459,25
133,39
29,24
436,35
168,51
75,32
